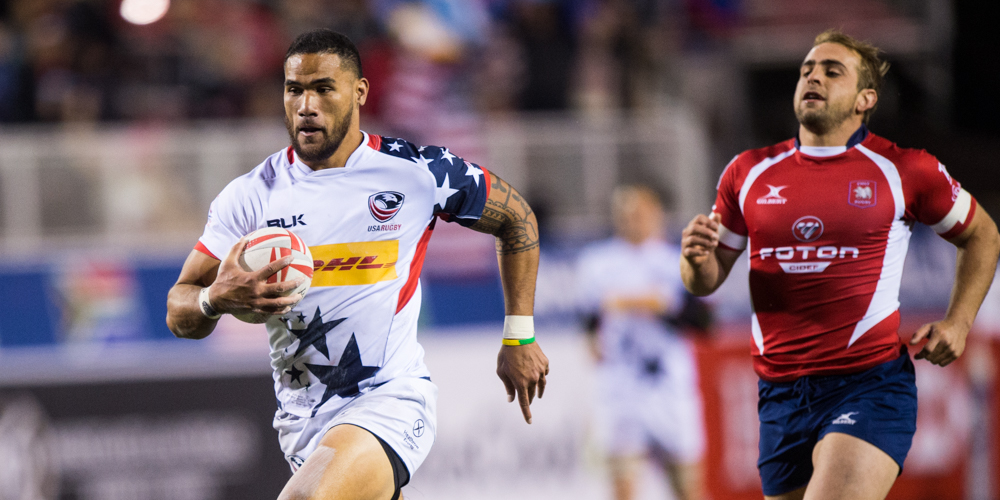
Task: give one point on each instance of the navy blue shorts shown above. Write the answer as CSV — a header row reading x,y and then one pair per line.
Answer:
x,y
878,405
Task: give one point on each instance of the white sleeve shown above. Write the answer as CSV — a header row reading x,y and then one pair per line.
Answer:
x,y
230,217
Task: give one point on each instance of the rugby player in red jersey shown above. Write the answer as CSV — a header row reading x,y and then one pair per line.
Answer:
x,y
826,219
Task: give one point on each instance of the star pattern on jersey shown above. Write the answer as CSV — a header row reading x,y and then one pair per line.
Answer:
x,y
420,160
448,156
302,318
342,380
395,147
314,334
294,373
474,172
443,192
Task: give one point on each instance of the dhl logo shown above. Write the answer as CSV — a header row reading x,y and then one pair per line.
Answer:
x,y
360,263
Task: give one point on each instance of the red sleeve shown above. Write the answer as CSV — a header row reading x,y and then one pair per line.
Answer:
x,y
934,198
203,249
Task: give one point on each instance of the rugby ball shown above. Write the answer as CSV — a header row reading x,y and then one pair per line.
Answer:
x,y
267,245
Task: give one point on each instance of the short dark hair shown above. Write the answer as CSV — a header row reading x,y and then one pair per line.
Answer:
x,y
873,68
329,42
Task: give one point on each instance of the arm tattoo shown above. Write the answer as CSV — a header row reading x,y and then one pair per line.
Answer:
x,y
509,218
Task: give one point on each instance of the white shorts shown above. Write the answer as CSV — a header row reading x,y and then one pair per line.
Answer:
x,y
402,412
637,415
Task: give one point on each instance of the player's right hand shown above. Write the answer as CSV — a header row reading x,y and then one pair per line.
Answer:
x,y
700,238
236,291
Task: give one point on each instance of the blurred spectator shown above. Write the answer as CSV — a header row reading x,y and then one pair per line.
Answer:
x,y
72,46
544,30
428,93
619,63
648,401
16,90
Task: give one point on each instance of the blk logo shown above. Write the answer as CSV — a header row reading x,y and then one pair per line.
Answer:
x,y
418,428
384,205
296,221
808,228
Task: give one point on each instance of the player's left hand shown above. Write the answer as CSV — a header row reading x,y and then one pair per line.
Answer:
x,y
945,341
523,368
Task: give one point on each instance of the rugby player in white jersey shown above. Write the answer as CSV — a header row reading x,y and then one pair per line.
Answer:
x,y
356,407
826,218
631,296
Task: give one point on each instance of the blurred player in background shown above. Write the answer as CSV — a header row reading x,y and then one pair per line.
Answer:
x,y
632,297
356,407
827,217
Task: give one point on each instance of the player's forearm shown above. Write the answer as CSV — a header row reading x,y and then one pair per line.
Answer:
x,y
704,275
509,218
975,267
184,316
518,271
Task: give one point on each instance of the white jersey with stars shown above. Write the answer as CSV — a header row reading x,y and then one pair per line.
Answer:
x,y
367,225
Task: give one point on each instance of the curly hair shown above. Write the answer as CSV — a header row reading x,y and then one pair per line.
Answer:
x,y
330,42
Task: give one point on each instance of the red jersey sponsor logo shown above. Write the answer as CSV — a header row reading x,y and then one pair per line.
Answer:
x,y
862,194
808,228
814,260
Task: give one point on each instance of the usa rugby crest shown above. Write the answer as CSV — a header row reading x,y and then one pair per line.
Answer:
x,y
384,205
862,194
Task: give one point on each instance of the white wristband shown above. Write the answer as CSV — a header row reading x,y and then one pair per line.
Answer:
x,y
518,330
206,305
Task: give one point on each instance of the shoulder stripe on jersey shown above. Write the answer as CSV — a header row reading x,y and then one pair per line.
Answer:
x,y
757,333
487,180
375,141
291,155
731,239
891,174
755,172
718,184
416,265
203,249
958,214
885,300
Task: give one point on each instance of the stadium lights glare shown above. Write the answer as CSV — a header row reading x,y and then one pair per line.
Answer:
x,y
144,11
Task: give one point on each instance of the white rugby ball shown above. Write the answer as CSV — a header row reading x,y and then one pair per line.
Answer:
x,y
267,245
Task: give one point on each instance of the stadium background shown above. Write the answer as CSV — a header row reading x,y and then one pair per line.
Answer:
x,y
115,136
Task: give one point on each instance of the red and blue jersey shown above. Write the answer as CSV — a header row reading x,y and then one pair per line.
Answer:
x,y
826,230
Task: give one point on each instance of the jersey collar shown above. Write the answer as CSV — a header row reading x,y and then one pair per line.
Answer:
x,y
821,151
352,160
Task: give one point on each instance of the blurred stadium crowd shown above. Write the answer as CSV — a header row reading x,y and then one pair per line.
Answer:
x,y
79,60
438,67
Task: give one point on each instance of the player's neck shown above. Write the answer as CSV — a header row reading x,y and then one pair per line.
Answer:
x,y
339,158
838,136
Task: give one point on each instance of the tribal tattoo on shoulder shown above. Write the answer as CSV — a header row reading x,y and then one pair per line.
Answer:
x,y
508,217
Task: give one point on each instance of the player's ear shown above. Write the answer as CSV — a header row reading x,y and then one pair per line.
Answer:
x,y
866,100
361,91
